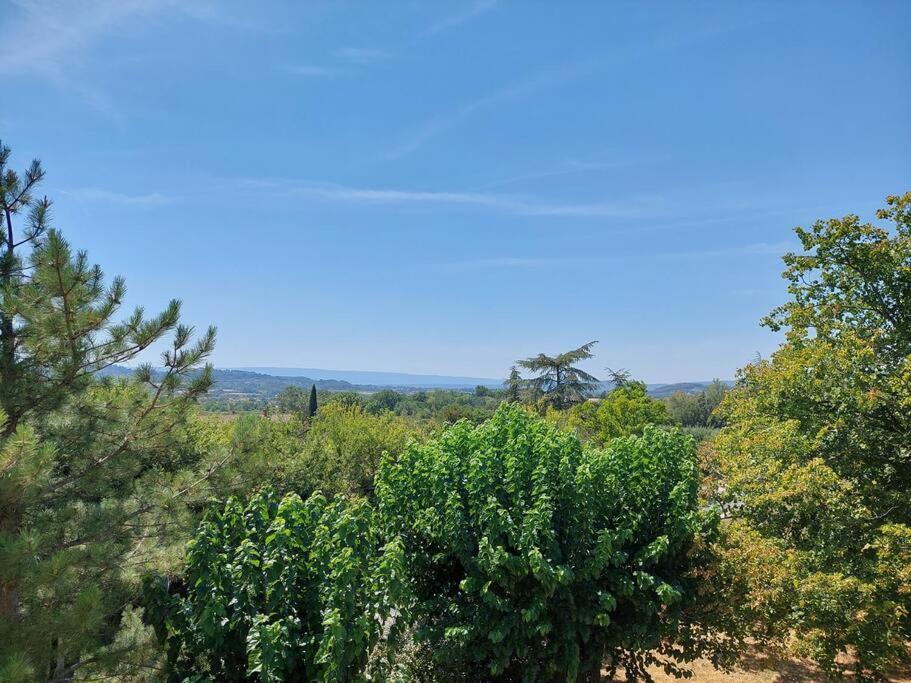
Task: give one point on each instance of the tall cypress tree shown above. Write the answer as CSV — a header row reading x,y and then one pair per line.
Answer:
x,y
92,470
313,407
513,386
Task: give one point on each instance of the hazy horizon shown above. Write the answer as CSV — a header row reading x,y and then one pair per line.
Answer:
x,y
330,373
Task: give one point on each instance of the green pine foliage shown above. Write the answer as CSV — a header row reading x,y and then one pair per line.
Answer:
x,y
94,474
530,557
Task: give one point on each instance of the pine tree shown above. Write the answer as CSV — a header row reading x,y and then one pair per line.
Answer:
x,y
92,470
312,407
559,381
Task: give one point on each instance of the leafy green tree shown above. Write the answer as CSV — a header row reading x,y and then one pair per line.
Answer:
x,y
697,410
312,406
93,471
343,449
387,399
713,395
625,411
813,467
347,398
459,411
277,590
514,384
292,400
686,409
559,381
530,558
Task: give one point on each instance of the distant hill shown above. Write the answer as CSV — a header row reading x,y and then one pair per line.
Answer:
x,y
238,383
269,382
662,390
382,379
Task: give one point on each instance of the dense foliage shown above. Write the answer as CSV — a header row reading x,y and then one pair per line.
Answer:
x,y
343,448
624,411
814,468
279,589
292,400
697,409
531,557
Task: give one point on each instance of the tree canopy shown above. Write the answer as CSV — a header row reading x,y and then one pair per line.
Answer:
x,y
814,467
625,411
530,557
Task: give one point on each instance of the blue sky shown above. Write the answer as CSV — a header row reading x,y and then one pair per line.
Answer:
x,y
446,187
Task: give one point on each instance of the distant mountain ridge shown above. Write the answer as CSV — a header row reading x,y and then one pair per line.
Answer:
x,y
257,383
381,379
228,382
662,390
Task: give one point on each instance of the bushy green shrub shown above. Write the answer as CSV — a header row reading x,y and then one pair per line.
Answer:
x,y
343,448
281,589
532,557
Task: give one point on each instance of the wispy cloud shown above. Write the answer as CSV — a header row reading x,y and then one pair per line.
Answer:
x,y
514,262
46,36
361,55
517,90
664,39
567,168
50,41
506,203
55,40
473,11
315,71
351,58
94,194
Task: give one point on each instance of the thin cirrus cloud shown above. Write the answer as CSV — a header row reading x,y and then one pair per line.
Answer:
x,y
512,262
52,41
663,212
570,167
514,91
473,11
94,194
316,71
360,55
504,203
665,39
57,42
350,57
